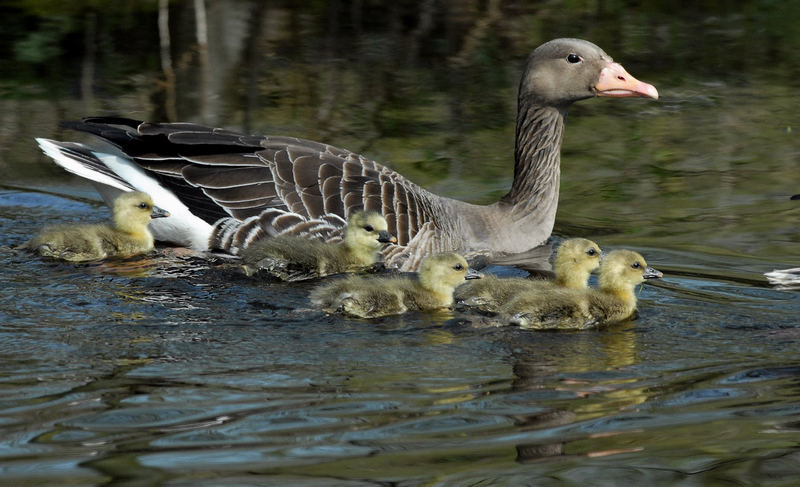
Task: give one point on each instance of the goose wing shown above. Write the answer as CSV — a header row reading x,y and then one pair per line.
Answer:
x,y
255,186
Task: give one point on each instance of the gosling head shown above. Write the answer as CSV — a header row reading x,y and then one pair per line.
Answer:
x,y
624,269
133,211
445,271
367,230
576,258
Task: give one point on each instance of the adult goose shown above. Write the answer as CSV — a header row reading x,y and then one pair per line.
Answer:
x,y
785,278
226,190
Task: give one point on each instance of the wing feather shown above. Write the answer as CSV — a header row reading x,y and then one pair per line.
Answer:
x,y
254,187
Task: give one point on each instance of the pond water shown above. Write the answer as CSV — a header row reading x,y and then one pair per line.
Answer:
x,y
170,369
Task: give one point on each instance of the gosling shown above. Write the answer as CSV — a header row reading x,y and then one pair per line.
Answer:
x,y
293,258
371,297
575,260
613,301
127,237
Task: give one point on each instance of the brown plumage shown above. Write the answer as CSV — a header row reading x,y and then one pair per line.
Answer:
x,y
241,188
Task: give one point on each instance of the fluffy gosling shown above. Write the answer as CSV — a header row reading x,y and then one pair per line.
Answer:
x,y
560,308
128,236
575,260
370,297
292,258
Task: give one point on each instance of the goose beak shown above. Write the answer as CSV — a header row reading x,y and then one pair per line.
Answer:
x,y
650,273
159,213
617,83
386,237
473,274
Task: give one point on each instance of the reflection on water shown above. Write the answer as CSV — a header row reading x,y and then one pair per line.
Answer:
x,y
170,369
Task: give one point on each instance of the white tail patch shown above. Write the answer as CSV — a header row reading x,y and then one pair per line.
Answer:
x,y
181,227
53,150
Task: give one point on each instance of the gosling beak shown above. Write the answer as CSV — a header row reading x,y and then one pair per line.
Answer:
x,y
473,274
386,237
159,213
617,83
650,273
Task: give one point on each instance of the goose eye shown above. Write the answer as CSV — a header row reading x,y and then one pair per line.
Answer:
x,y
573,58
369,228
591,252
458,267
636,265
143,205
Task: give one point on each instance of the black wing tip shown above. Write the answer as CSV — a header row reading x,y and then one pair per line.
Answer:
x,y
112,120
91,124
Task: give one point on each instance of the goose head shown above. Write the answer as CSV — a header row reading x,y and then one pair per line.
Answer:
x,y
575,259
621,270
562,71
367,230
132,211
442,273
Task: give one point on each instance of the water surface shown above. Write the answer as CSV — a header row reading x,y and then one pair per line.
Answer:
x,y
170,369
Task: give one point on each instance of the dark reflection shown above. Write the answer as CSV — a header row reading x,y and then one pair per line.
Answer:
x,y
539,359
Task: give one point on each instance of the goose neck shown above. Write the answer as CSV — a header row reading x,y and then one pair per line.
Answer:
x,y
537,156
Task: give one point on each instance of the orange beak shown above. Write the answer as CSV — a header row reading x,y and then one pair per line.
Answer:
x,y
617,83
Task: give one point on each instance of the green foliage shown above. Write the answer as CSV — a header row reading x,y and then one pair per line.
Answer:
x,y
44,43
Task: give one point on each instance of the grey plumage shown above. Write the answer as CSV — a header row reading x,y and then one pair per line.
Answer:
x,y
245,185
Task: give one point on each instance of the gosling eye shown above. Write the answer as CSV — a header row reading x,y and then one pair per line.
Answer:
x,y
573,58
591,252
636,265
369,228
458,267
143,205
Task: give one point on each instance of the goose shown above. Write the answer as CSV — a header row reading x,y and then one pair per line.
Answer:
x,y
371,297
560,308
295,258
784,278
128,236
227,190
574,261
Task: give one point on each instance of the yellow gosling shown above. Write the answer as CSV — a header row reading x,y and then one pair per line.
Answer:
x,y
575,260
560,308
128,236
370,297
293,258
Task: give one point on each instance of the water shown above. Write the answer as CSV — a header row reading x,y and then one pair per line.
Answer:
x,y
173,370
